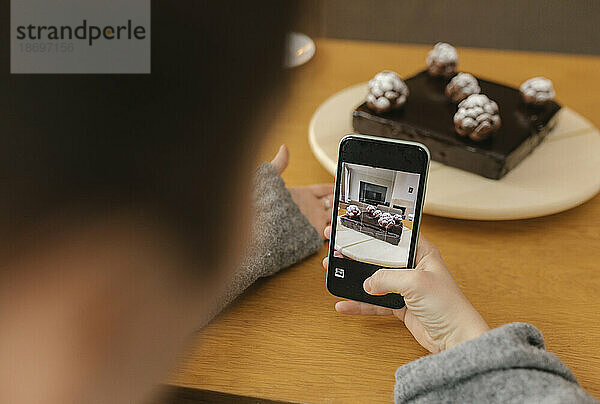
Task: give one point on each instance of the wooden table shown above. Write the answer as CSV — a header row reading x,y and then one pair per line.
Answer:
x,y
283,341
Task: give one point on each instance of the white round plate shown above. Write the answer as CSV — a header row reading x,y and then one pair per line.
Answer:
x,y
561,173
300,49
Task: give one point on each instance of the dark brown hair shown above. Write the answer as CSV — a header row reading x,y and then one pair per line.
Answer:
x,y
165,145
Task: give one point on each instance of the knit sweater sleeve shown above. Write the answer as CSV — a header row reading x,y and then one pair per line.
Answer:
x,y
508,364
281,235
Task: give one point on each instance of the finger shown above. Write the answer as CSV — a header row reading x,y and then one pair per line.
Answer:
x,y
281,160
351,307
321,190
386,281
329,204
428,256
424,247
326,259
327,232
326,217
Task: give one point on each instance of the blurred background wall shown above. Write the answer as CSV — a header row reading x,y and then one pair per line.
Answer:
x,y
571,26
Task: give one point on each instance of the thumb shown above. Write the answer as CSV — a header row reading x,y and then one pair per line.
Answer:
x,y
281,160
386,281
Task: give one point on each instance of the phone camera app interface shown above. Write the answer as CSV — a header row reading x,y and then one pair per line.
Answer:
x,y
376,214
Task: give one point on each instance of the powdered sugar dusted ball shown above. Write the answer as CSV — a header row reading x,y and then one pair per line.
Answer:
x,y
442,60
398,218
386,221
386,214
386,91
353,211
537,91
461,86
477,117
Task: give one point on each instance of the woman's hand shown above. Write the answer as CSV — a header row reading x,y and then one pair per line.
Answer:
x,y
437,313
314,201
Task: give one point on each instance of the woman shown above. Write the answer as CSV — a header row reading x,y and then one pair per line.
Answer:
x,y
126,223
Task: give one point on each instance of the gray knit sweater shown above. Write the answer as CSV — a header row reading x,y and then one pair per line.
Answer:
x,y
506,365
281,235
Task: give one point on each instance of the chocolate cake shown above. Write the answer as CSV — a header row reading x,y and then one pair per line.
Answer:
x,y
366,226
427,117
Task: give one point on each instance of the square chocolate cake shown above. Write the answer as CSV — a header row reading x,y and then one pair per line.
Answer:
x,y
427,117
371,228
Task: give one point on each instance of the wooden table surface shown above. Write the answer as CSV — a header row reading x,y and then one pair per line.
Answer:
x,y
283,341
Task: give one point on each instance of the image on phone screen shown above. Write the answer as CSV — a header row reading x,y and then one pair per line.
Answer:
x,y
375,215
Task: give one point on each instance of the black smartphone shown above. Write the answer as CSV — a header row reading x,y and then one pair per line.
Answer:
x,y
379,193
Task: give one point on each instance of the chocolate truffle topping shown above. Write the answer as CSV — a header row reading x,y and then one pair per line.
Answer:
x,y
461,86
386,221
387,91
442,60
537,91
353,211
477,117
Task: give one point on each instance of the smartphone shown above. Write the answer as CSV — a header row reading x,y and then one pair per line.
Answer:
x,y
379,193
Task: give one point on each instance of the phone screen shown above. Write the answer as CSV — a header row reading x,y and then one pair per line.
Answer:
x,y
380,188
375,215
